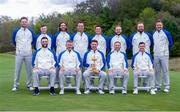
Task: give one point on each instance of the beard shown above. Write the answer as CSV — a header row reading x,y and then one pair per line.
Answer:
x,y
44,45
140,31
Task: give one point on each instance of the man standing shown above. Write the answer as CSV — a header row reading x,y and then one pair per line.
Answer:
x,y
95,62
81,40
140,36
120,38
60,45
37,42
117,66
162,43
102,40
22,39
44,64
70,64
142,65
61,37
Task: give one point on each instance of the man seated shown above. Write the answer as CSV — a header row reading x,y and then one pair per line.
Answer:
x,y
44,64
95,62
142,65
117,66
70,64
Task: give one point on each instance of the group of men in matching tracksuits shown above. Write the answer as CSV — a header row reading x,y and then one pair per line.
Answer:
x,y
79,52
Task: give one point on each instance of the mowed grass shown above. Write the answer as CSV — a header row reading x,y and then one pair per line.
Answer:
x,y
23,100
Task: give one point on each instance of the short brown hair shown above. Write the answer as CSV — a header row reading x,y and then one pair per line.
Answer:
x,y
94,41
23,18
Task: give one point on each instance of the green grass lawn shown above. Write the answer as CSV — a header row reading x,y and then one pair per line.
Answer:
x,y
24,100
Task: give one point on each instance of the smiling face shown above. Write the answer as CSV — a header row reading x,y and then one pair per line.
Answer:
x,y
80,27
118,30
44,43
159,26
98,30
63,26
43,29
140,27
142,47
94,46
69,45
117,46
24,23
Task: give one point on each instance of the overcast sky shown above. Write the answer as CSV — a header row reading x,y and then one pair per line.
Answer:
x,y
33,8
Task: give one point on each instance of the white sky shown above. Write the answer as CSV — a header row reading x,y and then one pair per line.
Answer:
x,y
34,8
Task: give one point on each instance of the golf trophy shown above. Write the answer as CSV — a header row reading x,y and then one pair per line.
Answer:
x,y
93,66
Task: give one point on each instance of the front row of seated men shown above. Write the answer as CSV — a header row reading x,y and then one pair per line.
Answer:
x,y
69,61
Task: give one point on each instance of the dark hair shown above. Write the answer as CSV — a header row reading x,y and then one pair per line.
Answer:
x,y
43,25
159,21
80,22
141,43
44,38
117,42
94,41
23,18
69,41
98,26
62,23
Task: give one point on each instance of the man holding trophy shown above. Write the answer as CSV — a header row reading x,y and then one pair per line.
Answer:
x,y
95,62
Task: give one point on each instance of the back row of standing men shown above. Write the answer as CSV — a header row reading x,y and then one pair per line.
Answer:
x,y
23,39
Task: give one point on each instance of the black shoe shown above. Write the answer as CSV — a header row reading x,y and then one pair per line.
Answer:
x,y
52,91
36,92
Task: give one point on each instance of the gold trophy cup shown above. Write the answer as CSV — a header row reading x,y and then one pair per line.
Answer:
x,y
93,66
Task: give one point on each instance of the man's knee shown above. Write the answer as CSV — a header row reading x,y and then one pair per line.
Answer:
x,y
86,74
102,74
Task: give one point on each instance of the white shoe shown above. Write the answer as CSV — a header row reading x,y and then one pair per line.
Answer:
x,y
56,85
61,92
135,92
124,92
152,92
100,92
14,89
157,89
87,92
166,90
78,92
112,92
31,88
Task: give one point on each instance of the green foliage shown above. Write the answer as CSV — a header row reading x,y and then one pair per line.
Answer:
x,y
109,13
23,100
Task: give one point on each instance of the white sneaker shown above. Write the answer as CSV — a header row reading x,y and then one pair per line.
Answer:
x,y
14,89
61,92
100,92
135,92
56,85
166,90
112,92
31,88
124,92
157,89
87,92
152,92
78,92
